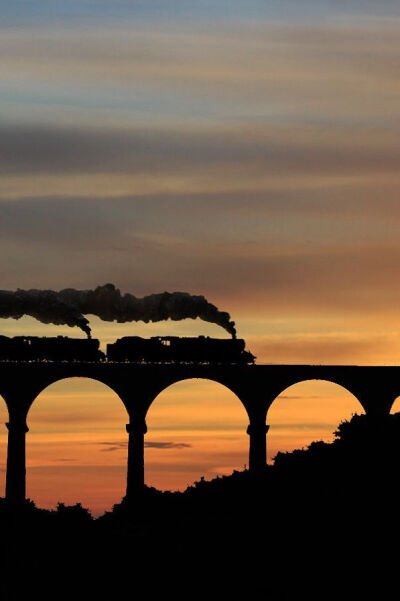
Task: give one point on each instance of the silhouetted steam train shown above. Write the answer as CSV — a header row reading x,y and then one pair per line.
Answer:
x,y
134,349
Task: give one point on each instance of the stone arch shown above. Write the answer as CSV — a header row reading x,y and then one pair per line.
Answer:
x,y
72,421
209,440
166,384
294,382
395,408
290,429
4,407
4,418
42,386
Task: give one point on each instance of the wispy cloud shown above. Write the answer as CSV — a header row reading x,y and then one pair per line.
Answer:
x,y
167,445
248,63
117,446
342,348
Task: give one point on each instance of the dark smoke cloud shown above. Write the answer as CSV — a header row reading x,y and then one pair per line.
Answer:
x,y
44,305
69,306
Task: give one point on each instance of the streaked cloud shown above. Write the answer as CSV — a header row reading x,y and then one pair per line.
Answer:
x,y
339,348
262,152
117,446
296,70
167,445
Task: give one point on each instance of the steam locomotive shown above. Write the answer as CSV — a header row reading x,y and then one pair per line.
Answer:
x,y
133,349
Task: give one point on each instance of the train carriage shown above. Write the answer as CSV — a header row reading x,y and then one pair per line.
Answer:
x,y
60,348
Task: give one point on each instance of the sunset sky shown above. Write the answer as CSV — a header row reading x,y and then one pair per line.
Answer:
x,y
247,151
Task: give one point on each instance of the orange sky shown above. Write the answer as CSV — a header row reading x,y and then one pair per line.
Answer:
x,y
246,151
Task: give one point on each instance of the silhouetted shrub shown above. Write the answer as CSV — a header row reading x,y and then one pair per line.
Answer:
x,y
73,514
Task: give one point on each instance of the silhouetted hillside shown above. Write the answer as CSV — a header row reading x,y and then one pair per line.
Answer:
x,y
325,510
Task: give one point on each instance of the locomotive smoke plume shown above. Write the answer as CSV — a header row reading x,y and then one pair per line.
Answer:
x,y
69,306
45,305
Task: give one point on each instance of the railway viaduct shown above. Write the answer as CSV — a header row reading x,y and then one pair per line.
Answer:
x,y
138,385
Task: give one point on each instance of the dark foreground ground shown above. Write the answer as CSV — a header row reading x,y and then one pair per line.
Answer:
x,y
323,522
